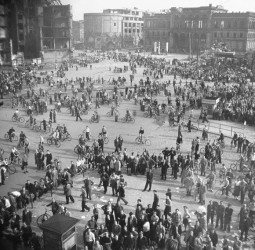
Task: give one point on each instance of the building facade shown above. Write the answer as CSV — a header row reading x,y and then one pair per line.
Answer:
x,y
157,29
191,29
113,29
236,30
56,32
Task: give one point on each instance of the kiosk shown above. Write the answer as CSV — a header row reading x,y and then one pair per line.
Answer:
x,y
59,233
210,104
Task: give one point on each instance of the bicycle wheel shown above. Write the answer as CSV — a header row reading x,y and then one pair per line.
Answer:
x,y
27,123
123,120
37,128
15,138
1,151
138,140
11,169
6,136
14,118
106,140
194,127
49,141
58,144
132,120
147,142
21,119
42,218
185,128
234,166
145,114
218,194
108,114
69,137
202,150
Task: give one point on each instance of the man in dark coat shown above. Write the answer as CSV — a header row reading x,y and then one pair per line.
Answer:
x,y
149,179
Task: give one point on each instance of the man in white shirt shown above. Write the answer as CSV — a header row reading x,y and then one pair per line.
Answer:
x,y
87,132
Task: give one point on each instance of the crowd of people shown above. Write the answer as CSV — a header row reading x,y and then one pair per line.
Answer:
x,y
148,226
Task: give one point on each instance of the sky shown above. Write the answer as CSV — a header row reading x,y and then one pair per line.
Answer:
x,y
80,7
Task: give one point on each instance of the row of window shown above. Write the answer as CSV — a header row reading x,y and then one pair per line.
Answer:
x,y
229,24
157,33
132,24
130,31
229,34
133,18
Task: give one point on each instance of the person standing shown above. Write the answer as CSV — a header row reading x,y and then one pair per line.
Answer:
x,y
68,193
164,168
87,184
84,200
245,226
88,239
155,200
149,179
168,205
228,218
210,212
54,116
220,211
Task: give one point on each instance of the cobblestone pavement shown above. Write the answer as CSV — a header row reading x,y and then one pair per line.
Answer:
x,y
160,136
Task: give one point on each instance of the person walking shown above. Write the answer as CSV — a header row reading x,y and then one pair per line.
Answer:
x,y
84,200
54,116
155,200
121,193
149,179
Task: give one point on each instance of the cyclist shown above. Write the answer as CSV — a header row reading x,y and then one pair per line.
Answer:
x,y
14,154
16,113
141,132
11,133
128,115
82,140
234,139
87,133
112,110
64,130
104,131
22,138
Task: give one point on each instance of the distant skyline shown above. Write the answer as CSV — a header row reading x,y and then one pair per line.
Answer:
x,y
80,7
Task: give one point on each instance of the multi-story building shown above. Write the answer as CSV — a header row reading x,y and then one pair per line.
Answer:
x,y
76,32
236,30
5,41
113,29
56,32
192,27
157,29
81,30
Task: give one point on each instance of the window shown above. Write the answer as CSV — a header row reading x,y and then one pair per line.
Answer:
x,y
133,24
125,30
200,24
241,35
131,18
129,25
129,31
115,24
228,35
20,17
234,35
125,24
21,37
222,24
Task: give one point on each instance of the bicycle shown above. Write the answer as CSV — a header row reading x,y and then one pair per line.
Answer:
x,y
125,120
10,170
52,141
115,112
42,218
105,138
221,192
18,119
66,136
14,137
143,140
16,160
91,137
